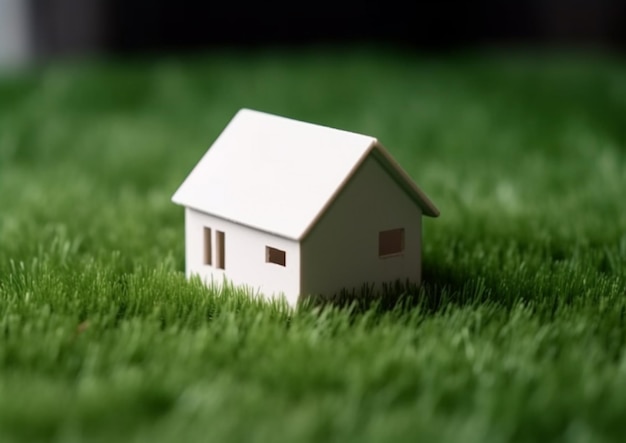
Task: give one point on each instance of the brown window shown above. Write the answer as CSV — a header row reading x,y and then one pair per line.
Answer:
x,y
273,255
207,246
220,246
391,242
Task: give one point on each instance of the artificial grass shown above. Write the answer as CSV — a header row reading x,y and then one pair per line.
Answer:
x,y
518,333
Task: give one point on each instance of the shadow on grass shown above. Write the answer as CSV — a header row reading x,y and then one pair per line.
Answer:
x,y
440,288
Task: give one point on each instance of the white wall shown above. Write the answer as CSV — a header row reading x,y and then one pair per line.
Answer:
x,y
342,249
14,32
244,256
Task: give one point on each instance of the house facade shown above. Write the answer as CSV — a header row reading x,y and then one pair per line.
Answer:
x,y
288,208
218,249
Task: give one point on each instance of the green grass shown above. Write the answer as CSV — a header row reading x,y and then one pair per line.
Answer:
x,y
517,335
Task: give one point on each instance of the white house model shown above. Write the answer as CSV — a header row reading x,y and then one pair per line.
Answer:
x,y
292,208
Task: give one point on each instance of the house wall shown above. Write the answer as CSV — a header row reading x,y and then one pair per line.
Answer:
x,y
245,262
341,251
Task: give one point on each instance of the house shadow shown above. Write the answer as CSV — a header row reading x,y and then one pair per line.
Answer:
x,y
440,288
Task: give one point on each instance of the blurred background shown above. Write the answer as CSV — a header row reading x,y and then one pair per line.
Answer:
x,y
44,29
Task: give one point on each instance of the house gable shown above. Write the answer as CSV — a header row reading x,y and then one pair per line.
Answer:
x,y
344,250
402,180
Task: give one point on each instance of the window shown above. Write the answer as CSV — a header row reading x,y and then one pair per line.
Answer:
x,y
273,255
220,246
390,242
207,258
208,252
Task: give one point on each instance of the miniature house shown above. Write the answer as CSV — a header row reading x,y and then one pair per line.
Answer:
x,y
291,208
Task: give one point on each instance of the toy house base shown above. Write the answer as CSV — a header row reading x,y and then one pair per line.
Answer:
x,y
291,208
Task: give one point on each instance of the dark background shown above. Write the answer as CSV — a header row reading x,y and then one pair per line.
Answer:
x,y
118,27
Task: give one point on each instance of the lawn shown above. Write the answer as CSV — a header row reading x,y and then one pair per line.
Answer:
x,y
518,333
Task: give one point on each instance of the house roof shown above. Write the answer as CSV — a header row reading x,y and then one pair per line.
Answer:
x,y
279,175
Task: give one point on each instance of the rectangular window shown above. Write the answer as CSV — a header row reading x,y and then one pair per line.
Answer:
x,y
273,255
220,246
208,252
391,242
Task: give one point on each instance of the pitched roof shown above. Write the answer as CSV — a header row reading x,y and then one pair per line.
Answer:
x,y
279,175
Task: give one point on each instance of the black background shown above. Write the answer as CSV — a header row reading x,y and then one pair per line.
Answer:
x,y
145,26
